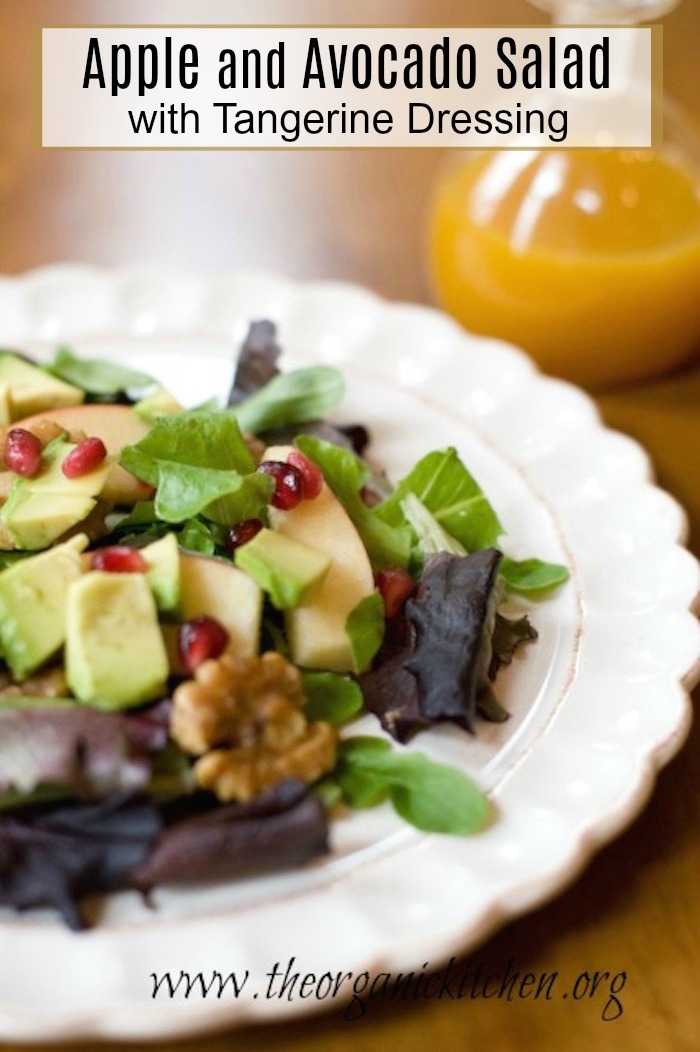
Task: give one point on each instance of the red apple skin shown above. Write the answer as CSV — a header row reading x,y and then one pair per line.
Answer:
x,y
117,426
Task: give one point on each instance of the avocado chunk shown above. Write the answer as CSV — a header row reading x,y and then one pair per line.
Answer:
x,y
163,574
33,595
5,411
34,522
284,568
51,479
160,403
31,390
115,655
40,509
317,628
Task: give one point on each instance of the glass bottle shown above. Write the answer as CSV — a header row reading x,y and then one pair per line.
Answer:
x,y
588,259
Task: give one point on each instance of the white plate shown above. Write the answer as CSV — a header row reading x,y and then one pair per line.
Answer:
x,y
597,705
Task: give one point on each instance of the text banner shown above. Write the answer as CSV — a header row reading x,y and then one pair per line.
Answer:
x,y
301,87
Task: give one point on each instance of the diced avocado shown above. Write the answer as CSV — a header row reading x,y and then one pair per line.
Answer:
x,y
5,409
160,403
41,509
33,595
115,655
317,629
31,390
51,479
34,521
163,575
284,568
222,591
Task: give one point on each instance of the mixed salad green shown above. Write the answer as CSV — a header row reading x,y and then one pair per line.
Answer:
x,y
195,604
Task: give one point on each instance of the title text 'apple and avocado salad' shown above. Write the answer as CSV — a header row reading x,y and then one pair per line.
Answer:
x,y
192,604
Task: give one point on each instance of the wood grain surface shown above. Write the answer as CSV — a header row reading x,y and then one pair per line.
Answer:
x,y
636,907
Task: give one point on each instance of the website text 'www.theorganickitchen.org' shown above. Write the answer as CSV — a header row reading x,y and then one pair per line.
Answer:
x,y
458,980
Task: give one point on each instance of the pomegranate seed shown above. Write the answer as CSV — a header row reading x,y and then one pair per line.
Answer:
x,y
395,587
200,639
86,456
242,532
23,452
289,483
119,559
310,472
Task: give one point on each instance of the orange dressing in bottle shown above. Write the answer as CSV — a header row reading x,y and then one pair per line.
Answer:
x,y
589,259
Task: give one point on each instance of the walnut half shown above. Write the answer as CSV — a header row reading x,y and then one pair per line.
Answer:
x,y
243,718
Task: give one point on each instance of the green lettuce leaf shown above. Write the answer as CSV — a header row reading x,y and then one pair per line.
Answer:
x,y
330,697
291,398
365,629
432,538
184,491
387,544
430,796
454,498
95,376
142,523
197,536
532,575
199,462
141,516
195,439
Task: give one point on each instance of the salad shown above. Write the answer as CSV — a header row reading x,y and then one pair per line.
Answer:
x,y
197,603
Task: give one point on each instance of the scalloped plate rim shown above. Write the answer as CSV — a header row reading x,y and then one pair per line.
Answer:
x,y
168,1019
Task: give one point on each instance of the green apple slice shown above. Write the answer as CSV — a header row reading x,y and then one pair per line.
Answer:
x,y
316,628
218,589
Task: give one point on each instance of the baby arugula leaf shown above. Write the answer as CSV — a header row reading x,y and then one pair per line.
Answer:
x,y
445,487
365,630
95,376
291,398
330,697
197,536
430,796
387,544
532,575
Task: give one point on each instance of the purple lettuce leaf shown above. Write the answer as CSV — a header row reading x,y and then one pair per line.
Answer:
x,y
453,615
54,856
508,634
390,691
440,653
257,361
284,826
87,752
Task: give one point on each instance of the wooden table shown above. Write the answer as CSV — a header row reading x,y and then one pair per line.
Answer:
x,y
636,908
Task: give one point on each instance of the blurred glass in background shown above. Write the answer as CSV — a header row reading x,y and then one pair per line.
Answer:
x,y
587,258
